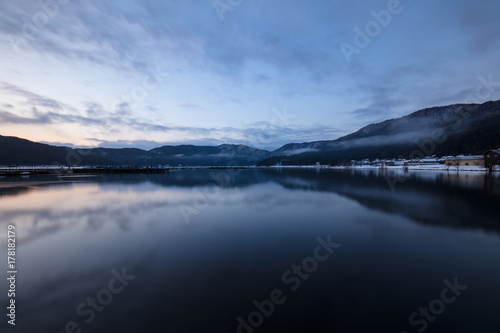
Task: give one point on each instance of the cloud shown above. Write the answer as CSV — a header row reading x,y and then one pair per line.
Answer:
x,y
380,140
289,37
190,106
429,54
123,123
379,110
64,144
31,98
11,118
135,34
141,144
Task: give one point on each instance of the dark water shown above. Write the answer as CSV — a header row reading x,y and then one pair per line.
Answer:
x,y
282,250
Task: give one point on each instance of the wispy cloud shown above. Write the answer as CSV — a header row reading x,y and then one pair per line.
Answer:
x,y
190,106
31,98
262,134
133,34
224,75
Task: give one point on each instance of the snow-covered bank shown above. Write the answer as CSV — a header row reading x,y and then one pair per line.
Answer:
x,y
426,167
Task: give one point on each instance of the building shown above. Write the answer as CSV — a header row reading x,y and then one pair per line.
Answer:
x,y
429,160
461,160
491,158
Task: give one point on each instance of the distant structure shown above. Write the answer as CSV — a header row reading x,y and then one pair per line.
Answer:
x,y
491,158
461,160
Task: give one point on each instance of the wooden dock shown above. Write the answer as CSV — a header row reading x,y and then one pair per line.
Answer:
x,y
19,171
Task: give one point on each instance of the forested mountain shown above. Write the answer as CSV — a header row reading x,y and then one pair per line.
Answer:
x,y
449,130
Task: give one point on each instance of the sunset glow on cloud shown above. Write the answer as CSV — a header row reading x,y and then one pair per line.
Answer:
x,y
260,73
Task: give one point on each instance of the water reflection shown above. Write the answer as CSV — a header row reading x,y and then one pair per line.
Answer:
x,y
248,228
461,200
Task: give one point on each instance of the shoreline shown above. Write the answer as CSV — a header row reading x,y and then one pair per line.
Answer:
x,y
439,168
29,171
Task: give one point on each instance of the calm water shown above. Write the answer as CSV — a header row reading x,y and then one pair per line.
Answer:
x,y
212,251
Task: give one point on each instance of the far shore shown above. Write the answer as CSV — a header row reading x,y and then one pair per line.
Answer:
x,y
26,171
437,167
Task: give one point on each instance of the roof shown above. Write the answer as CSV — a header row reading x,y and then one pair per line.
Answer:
x,y
494,150
461,157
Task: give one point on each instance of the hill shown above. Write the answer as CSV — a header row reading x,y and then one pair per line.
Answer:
x,y
449,130
16,151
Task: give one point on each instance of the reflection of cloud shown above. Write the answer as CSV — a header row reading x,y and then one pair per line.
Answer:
x,y
88,205
93,206
96,206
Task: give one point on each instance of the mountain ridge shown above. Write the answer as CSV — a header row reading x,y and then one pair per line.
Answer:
x,y
442,130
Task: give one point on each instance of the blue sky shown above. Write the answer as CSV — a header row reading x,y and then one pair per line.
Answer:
x,y
256,72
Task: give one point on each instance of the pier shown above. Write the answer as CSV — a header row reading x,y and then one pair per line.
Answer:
x,y
16,171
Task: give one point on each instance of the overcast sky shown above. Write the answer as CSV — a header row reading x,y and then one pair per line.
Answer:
x,y
257,72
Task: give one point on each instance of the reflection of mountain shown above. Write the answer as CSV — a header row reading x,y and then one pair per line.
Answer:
x,y
440,199
433,198
25,185
13,190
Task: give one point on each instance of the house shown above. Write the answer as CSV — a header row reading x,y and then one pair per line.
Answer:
x,y
364,162
429,160
415,161
491,158
461,160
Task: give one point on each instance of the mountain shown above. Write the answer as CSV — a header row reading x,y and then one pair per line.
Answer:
x,y
24,152
448,130
222,155
16,151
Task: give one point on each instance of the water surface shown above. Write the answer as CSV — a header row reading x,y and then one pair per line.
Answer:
x,y
203,245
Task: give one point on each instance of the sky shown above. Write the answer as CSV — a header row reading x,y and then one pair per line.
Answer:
x,y
256,72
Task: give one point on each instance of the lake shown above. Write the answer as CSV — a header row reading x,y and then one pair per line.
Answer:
x,y
254,250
